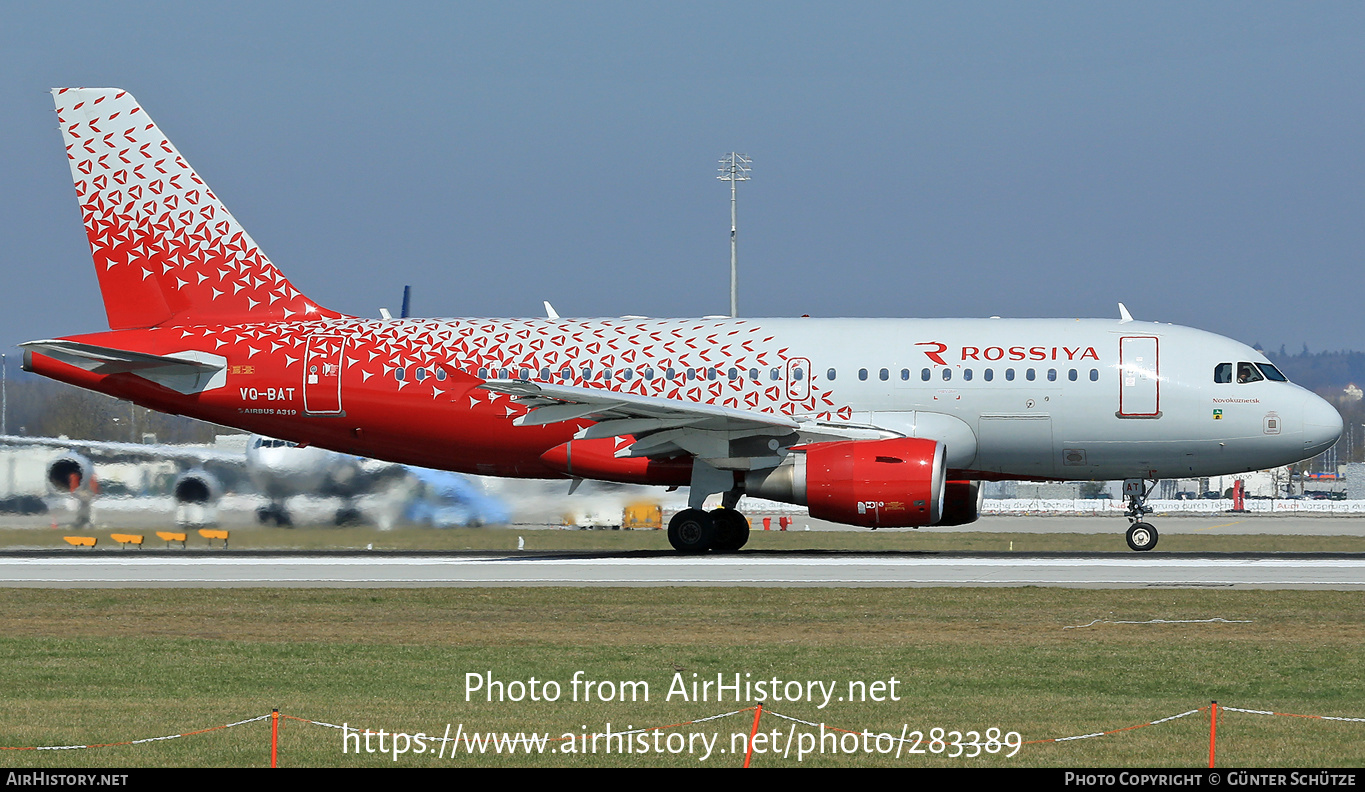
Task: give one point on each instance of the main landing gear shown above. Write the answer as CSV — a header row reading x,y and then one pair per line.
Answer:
x,y
276,513
697,531
1141,535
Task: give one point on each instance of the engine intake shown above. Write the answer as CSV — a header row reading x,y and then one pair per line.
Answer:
x,y
70,472
962,503
197,486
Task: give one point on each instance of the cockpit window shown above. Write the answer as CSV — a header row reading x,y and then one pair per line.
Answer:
x,y
1222,373
1271,373
1247,372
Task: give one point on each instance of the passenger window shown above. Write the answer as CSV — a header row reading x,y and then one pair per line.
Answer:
x,y
606,375
669,373
1222,373
627,374
862,374
967,374
733,374
545,373
1052,375
775,375
947,374
522,374
399,373
587,374
1246,372
711,373
883,375
989,374
924,375
421,374
565,373
753,374
502,373
1071,375
1028,375
691,374
1009,375
648,374
1094,375
830,375
441,375
483,373
798,374
905,375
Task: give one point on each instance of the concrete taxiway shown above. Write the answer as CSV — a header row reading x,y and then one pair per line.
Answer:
x,y
293,570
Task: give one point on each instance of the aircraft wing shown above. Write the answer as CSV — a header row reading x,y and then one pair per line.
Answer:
x,y
112,451
726,437
554,403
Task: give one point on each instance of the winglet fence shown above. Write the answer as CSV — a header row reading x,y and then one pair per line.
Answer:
x,y
1215,712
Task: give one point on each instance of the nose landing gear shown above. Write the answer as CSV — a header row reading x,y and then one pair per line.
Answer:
x,y
1141,535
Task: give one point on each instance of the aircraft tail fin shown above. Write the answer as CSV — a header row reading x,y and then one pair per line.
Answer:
x,y
166,250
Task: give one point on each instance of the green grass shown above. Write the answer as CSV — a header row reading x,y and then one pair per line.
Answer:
x,y
115,665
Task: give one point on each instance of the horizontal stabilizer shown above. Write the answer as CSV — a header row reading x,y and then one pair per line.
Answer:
x,y
184,372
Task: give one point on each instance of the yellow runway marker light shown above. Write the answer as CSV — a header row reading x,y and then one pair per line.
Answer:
x,y
171,536
80,541
127,539
214,533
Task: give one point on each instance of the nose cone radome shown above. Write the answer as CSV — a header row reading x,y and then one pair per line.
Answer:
x,y
1321,425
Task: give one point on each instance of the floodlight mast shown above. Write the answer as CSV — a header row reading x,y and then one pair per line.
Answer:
x,y
734,168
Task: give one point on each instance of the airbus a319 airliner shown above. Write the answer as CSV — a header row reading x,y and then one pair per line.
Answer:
x,y
870,422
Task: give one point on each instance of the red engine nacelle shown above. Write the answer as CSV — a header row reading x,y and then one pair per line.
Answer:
x,y
897,482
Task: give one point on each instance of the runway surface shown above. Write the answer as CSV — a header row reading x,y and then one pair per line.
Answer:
x,y
293,570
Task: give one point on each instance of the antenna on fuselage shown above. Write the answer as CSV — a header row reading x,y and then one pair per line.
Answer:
x,y
407,294
550,312
1124,316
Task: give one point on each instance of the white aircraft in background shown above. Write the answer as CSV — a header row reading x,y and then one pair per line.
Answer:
x,y
278,469
869,422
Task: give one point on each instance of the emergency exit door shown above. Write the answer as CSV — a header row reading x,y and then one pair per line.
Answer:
x,y
1139,377
322,375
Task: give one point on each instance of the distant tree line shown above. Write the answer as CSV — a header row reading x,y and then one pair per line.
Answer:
x,y
1321,372
39,407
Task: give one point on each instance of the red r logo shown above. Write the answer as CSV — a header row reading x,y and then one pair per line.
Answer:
x,y
935,354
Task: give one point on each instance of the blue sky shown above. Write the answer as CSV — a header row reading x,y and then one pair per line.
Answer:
x,y
1201,162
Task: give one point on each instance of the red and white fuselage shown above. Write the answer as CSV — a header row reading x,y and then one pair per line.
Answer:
x,y
203,324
